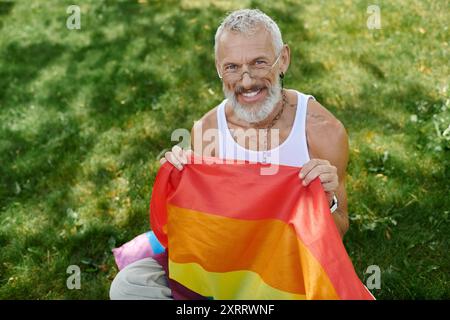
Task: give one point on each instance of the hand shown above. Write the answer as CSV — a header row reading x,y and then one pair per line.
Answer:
x,y
326,172
177,157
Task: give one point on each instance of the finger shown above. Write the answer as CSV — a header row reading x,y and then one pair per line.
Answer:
x,y
162,160
310,165
170,156
184,156
314,173
176,149
330,186
178,153
307,167
327,177
324,167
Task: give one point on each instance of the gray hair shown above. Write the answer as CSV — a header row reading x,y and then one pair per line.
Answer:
x,y
246,21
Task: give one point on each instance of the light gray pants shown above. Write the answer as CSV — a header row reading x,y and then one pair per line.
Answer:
x,y
141,280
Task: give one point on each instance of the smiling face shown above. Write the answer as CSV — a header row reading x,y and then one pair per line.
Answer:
x,y
252,99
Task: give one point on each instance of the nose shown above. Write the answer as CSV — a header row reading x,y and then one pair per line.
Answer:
x,y
247,81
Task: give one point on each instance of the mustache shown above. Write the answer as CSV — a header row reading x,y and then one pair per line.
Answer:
x,y
241,89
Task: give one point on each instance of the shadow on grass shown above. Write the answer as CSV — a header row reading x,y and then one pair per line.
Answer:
x,y
6,7
34,168
119,86
21,65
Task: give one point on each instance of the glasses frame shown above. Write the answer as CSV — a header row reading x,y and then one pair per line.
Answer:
x,y
268,70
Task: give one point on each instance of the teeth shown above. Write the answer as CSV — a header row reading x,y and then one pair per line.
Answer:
x,y
250,94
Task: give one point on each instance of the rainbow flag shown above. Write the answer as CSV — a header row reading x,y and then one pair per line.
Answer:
x,y
232,233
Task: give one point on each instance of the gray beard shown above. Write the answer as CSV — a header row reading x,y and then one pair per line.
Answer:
x,y
255,113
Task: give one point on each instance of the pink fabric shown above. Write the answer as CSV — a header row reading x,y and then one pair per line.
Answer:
x,y
134,250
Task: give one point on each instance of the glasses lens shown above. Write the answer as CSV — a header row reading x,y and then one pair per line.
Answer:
x,y
231,76
259,72
253,71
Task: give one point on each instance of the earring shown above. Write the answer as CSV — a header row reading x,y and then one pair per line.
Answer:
x,y
281,78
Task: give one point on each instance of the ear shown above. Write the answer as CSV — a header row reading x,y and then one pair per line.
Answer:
x,y
217,67
285,58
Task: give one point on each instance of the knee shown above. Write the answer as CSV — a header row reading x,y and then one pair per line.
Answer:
x,y
143,279
117,290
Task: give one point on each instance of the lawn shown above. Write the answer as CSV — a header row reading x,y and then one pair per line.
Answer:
x,y
85,115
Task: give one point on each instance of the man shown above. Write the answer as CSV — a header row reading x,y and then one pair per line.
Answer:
x,y
259,121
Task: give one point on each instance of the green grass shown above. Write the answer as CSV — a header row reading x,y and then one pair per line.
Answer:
x,y
85,113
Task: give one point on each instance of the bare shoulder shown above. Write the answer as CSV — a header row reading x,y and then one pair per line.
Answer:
x,y
322,122
206,122
326,135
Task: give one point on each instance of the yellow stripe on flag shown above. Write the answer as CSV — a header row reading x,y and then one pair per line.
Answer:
x,y
222,285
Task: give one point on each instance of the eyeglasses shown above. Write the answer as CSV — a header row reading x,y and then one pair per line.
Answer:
x,y
257,69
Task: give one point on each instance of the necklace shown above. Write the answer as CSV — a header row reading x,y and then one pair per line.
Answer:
x,y
266,152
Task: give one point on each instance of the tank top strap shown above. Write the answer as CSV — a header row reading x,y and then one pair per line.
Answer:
x,y
222,128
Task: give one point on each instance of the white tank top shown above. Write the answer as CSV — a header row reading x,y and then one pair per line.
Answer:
x,y
292,152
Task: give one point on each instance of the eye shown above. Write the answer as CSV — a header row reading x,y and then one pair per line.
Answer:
x,y
230,67
260,62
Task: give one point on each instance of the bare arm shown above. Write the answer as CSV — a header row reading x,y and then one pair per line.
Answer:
x,y
329,150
